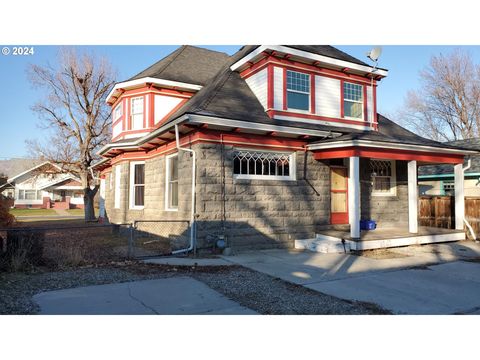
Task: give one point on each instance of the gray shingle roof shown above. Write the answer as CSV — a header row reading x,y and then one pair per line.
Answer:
x,y
472,144
329,51
189,64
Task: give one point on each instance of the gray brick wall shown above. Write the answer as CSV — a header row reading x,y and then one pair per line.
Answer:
x,y
386,210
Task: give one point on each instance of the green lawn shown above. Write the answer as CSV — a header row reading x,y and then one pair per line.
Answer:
x,y
32,212
80,211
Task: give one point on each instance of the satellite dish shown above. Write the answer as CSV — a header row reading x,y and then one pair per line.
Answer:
x,y
375,53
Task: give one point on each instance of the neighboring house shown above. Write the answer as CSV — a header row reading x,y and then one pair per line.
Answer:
x,y
45,186
284,141
439,179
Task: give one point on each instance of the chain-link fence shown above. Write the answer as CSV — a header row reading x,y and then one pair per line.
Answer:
x,y
56,247
151,238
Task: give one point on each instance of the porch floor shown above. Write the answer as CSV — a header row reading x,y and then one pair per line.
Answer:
x,y
392,237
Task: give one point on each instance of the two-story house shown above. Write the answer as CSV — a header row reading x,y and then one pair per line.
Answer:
x,y
264,147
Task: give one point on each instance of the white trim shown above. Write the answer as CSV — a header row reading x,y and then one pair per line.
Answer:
x,y
393,180
362,102
323,122
131,193
459,196
354,196
292,162
167,182
161,82
308,55
412,197
386,145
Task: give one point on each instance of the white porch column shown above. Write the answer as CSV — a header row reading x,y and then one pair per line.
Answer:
x,y
459,197
412,197
354,196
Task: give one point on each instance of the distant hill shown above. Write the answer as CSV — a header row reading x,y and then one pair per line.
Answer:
x,y
15,166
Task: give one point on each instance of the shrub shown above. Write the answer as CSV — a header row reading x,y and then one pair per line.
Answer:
x,y
6,219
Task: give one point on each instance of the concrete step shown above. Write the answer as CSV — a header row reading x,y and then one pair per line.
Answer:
x,y
323,244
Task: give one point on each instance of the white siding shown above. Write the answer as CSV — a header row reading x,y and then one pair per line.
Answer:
x,y
370,116
258,85
327,97
278,88
163,105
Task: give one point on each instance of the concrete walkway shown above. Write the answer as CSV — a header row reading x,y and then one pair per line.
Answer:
x,y
408,282
171,296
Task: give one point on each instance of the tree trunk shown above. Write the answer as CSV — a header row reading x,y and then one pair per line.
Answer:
x,y
88,196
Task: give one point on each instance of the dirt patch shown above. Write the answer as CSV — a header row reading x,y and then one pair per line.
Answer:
x,y
380,254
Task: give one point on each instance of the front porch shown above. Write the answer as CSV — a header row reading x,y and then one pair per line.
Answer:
x,y
385,237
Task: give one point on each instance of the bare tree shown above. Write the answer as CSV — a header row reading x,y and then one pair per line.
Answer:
x,y
447,105
75,114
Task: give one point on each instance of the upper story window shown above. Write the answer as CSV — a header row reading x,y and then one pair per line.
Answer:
x,y
353,100
137,113
118,112
383,177
263,165
298,90
137,185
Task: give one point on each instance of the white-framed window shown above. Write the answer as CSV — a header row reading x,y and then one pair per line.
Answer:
x,y
118,177
118,111
264,165
29,194
171,183
298,90
136,111
352,100
137,184
383,177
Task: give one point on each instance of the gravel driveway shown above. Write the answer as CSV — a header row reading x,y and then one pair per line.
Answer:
x,y
257,291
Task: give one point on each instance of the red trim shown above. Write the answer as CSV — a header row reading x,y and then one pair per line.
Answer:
x,y
365,113
151,113
270,87
129,120
318,117
294,65
342,100
144,111
375,120
285,105
312,93
340,217
391,154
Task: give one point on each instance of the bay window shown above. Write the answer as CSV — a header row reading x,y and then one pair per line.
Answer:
x,y
137,113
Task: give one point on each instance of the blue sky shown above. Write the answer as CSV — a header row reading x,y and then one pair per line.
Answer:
x,y
19,123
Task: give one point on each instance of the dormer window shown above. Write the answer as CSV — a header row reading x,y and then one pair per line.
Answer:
x,y
353,100
137,113
298,90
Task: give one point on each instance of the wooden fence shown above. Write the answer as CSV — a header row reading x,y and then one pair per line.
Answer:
x,y
439,211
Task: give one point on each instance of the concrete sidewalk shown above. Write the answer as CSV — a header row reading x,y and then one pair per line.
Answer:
x,y
170,296
410,283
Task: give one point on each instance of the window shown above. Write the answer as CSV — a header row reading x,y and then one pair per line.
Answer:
x,y
298,90
137,184
263,165
118,176
29,195
118,112
137,113
171,197
383,177
353,100
448,188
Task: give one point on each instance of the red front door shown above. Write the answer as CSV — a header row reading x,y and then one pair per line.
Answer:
x,y
338,195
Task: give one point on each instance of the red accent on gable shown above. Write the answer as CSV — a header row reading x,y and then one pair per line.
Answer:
x,y
270,87
375,117
151,114
318,117
391,154
342,100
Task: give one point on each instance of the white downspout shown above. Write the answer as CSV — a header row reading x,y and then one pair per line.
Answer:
x,y
192,216
472,233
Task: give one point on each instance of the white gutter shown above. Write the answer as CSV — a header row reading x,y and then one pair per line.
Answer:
x,y
387,145
307,55
474,236
192,217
